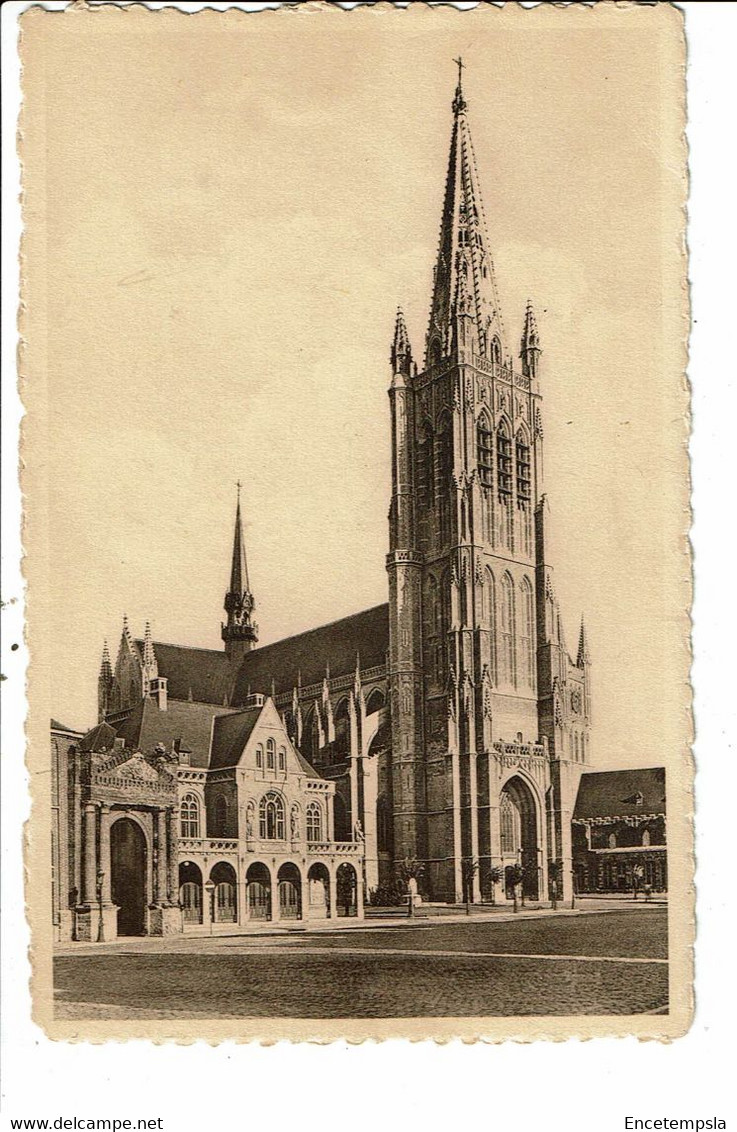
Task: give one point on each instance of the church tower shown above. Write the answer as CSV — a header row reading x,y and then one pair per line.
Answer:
x,y
470,769
240,632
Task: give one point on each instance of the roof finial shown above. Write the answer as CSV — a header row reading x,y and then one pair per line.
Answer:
x,y
238,485
459,102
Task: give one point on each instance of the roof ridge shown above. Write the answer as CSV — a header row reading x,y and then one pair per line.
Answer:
x,y
189,648
317,628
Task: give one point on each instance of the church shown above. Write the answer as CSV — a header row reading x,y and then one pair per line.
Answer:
x,y
441,735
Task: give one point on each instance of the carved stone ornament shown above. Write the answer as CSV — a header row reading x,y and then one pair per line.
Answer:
x,y
576,701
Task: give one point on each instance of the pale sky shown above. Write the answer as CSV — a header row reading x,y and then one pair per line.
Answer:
x,y
233,210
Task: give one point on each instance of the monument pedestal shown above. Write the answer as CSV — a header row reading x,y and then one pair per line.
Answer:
x,y
165,919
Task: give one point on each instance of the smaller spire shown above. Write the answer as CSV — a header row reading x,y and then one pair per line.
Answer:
x,y
149,657
583,658
106,667
530,345
240,633
401,350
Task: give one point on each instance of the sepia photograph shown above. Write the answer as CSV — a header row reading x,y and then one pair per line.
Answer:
x,y
356,535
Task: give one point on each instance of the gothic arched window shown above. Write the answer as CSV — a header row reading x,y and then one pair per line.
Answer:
x,y
509,825
271,817
341,718
485,451
504,461
507,630
490,613
522,453
314,822
527,634
259,757
189,816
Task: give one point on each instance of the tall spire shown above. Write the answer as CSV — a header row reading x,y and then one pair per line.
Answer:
x,y
240,633
464,251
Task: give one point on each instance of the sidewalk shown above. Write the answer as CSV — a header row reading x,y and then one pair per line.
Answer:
x,y
424,917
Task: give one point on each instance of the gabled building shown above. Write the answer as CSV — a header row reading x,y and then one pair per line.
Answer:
x,y
451,724
619,831
187,815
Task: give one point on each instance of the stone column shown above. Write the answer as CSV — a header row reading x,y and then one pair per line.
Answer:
x,y
473,790
160,895
105,860
331,817
172,894
90,853
359,893
333,884
456,788
275,916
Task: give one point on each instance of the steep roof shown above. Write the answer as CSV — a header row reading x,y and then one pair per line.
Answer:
x,y
230,735
203,674
306,655
101,737
188,723
614,793
56,726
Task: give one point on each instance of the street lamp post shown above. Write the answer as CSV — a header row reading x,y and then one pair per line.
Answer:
x,y
100,880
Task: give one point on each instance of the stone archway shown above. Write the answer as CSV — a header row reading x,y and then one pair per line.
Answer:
x,y
318,891
289,883
518,815
128,866
225,902
258,891
347,889
190,892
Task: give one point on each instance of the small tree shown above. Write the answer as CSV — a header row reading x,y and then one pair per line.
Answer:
x,y
410,869
516,875
469,868
495,876
556,875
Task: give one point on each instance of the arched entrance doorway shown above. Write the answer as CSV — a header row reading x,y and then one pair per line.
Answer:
x,y
225,903
128,869
290,892
347,886
318,884
190,892
519,835
258,892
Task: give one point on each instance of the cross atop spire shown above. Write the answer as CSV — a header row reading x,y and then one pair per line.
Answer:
x,y
459,102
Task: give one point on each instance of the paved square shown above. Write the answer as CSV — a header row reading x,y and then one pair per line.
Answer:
x,y
607,963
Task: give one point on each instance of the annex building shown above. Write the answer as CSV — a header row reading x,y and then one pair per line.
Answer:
x,y
443,732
